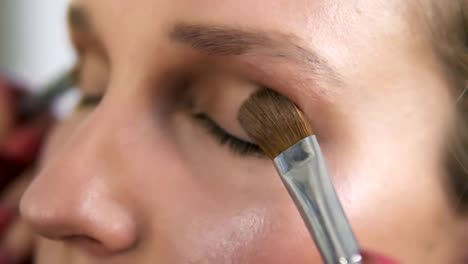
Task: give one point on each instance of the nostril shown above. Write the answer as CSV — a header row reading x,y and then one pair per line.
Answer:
x,y
33,215
89,216
88,244
102,227
44,223
78,238
42,220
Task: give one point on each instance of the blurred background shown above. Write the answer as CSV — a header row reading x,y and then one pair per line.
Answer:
x,y
34,46
36,91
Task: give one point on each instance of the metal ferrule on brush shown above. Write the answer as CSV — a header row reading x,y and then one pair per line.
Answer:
x,y
303,171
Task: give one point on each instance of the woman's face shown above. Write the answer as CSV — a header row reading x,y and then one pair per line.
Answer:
x,y
160,171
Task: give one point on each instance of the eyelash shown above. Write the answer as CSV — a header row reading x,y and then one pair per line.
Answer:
x,y
237,145
90,100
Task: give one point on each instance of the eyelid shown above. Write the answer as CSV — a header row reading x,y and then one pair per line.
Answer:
x,y
91,73
236,144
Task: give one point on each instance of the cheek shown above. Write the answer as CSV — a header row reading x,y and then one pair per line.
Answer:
x,y
237,210
226,234
249,235
243,225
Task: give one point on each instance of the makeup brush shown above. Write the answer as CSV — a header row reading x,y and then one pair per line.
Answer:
x,y
35,104
281,130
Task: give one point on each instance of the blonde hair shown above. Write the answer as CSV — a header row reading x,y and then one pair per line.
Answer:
x,y
451,44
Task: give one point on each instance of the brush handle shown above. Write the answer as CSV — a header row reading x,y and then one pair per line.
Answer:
x,y
32,105
304,173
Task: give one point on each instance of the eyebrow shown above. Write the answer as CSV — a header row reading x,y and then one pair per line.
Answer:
x,y
227,41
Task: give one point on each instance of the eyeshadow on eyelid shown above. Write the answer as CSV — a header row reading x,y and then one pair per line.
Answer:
x,y
221,95
225,138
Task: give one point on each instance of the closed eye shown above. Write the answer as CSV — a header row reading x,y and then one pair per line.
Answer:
x,y
237,145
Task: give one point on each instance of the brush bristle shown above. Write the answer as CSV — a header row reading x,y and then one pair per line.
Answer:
x,y
273,121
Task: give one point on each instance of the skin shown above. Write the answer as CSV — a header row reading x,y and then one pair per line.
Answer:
x,y
138,180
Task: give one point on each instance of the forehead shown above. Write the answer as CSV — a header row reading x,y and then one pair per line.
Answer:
x,y
116,18
139,29
298,17
228,11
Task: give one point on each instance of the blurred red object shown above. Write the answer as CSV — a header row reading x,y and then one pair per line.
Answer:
x,y
8,94
20,139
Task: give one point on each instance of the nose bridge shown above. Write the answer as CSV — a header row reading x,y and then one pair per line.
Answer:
x,y
77,159
74,195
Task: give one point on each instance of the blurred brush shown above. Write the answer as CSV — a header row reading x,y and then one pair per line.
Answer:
x,y
30,120
32,105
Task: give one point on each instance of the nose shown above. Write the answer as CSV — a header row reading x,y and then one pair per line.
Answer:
x,y
76,198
